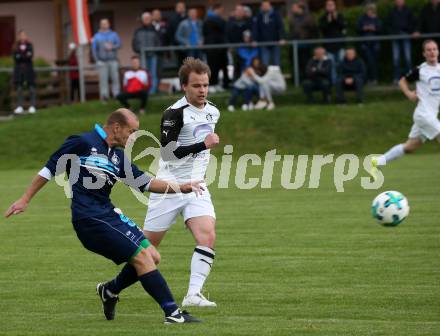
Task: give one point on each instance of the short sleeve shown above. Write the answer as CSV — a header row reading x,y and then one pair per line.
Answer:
x,y
73,145
413,75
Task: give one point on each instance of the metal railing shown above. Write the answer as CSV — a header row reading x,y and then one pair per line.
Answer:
x,y
295,44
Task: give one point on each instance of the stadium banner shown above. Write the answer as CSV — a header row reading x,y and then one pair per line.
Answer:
x,y
80,20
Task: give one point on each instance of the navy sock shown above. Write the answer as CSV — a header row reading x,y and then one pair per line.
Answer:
x,y
124,279
155,285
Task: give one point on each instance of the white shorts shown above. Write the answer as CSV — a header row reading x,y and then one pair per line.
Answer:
x,y
163,211
425,129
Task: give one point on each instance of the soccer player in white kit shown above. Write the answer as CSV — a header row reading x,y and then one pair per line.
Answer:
x,y
187,135
426,124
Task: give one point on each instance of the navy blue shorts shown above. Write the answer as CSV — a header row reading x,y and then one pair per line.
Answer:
x,y
111,235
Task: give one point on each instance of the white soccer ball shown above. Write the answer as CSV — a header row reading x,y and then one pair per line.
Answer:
x,y
390,208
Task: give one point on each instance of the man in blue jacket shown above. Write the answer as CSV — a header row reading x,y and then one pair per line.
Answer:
x,y
269,27
105,45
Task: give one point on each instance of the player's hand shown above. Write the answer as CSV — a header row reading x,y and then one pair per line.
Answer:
x,y
212,140
16,208
412,95
188,187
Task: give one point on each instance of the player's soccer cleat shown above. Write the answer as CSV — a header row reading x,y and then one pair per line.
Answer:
x,y
231,108
244,107
374,170
181,316
108,302
197,300
32,110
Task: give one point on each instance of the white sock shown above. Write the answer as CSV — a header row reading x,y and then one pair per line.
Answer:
x,y
394,153
201,264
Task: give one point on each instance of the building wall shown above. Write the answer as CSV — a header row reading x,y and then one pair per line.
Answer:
x,y
36,18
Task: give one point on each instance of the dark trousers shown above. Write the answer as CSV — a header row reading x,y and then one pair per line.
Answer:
x,y
319,84
246,93
370,51
218,60
358,85
125,96
74,89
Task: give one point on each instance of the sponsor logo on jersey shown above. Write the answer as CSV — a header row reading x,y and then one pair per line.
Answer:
x,y
203,129
434,83
169,123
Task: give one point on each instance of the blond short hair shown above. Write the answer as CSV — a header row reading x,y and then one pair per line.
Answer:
x,y
191,64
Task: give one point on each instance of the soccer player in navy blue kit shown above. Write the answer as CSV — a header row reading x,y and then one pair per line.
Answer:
x,y
97,162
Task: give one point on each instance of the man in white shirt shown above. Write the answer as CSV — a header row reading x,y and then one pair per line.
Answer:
x,y
426,124
187,135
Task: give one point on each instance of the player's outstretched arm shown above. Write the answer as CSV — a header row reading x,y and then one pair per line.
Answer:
x,y
21,204
163,187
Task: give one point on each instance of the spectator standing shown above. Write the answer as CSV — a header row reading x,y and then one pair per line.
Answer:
x,y
430,17
73,74
318,76
401,21
23,53
235,27
105,45
178,16
351,75
333,25
189,33
136,85
302,26
214,32
370,25
269,27
161,28
147,37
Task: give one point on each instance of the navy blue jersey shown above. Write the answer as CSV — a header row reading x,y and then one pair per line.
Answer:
x,y
93,168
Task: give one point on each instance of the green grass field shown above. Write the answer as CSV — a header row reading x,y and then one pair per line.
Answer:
x,y
289,262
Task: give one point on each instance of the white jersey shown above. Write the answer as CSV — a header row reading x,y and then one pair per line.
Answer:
x,y
184,127
427,78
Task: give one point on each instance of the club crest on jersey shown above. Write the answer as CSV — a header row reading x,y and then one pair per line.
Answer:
x,y
93,151
209,117
115,159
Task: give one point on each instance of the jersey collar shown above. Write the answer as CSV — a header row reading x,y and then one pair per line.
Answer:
x,y
100,131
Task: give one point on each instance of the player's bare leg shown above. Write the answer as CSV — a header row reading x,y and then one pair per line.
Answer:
x,y
203,231
410,146
154,237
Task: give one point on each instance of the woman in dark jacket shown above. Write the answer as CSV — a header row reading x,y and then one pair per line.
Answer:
x,y
23,53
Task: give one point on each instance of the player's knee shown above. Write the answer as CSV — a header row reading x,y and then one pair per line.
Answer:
x,y
207,239
144,257
154,254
